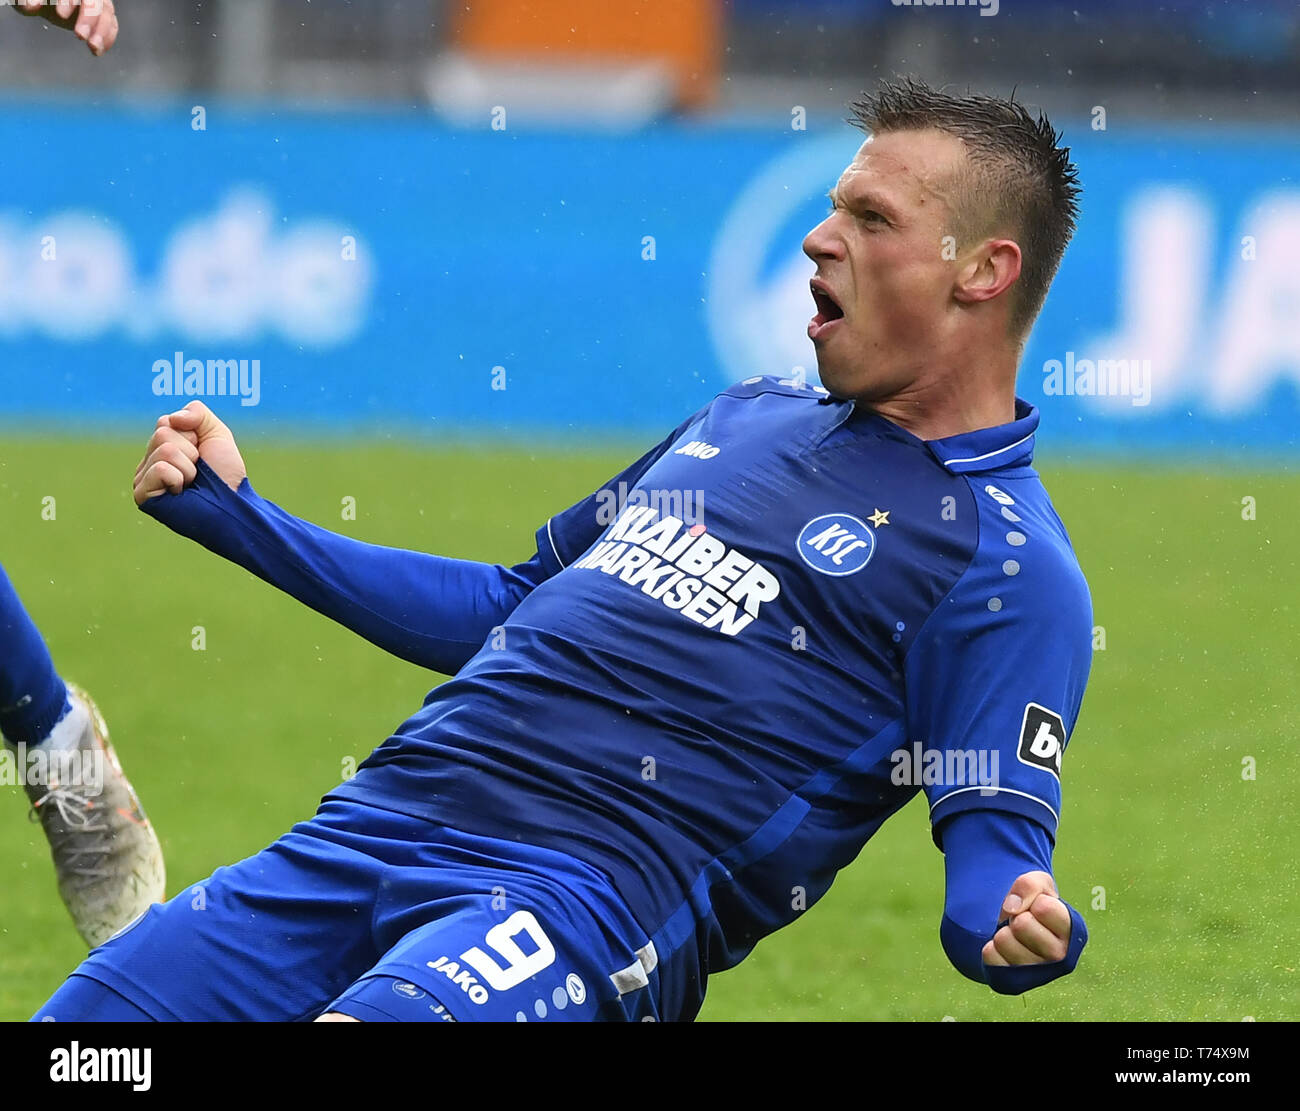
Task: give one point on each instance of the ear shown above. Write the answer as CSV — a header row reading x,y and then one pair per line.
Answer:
x,y
987,272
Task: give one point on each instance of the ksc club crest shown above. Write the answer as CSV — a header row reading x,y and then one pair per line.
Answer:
x,y
836,544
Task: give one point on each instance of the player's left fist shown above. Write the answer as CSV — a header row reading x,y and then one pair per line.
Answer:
x,y
94,22
1037,929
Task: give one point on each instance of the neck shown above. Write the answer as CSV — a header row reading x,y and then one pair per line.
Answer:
x,y
960,396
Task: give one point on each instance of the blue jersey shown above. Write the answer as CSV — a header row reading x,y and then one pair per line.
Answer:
x,y
729,665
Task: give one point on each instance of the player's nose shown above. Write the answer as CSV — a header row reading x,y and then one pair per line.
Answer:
x,y
820,244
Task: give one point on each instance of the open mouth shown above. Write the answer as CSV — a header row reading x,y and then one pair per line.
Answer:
x,y
828,309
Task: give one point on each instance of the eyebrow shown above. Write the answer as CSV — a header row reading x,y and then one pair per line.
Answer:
x,y
865,200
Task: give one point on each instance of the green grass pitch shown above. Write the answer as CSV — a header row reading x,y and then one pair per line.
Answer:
x,y
230,745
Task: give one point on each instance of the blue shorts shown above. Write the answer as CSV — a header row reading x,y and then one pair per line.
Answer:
x,y
382,917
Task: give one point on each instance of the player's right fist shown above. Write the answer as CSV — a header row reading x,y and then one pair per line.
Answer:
x,y
178,442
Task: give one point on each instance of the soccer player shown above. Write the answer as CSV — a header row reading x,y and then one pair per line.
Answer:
x,y
92,21
107,858
671,727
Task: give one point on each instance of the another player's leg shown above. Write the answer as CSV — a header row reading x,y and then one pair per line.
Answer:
x,y
107,858
272,938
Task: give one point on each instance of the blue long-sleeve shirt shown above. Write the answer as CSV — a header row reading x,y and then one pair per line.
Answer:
x,y
801,613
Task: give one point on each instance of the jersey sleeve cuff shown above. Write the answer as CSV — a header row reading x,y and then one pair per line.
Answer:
x,y
204,502
991,798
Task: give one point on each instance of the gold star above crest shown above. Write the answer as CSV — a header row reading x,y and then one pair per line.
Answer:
x,y
879,517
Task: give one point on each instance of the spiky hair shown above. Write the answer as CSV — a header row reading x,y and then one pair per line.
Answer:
x,y
1018,180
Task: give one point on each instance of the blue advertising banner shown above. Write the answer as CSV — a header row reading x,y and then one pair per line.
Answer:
x,y
366,270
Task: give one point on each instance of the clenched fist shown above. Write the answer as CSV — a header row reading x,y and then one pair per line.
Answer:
x,y
1037,929
178,442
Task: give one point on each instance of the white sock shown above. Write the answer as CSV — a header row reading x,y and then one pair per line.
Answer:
x,y
67,731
